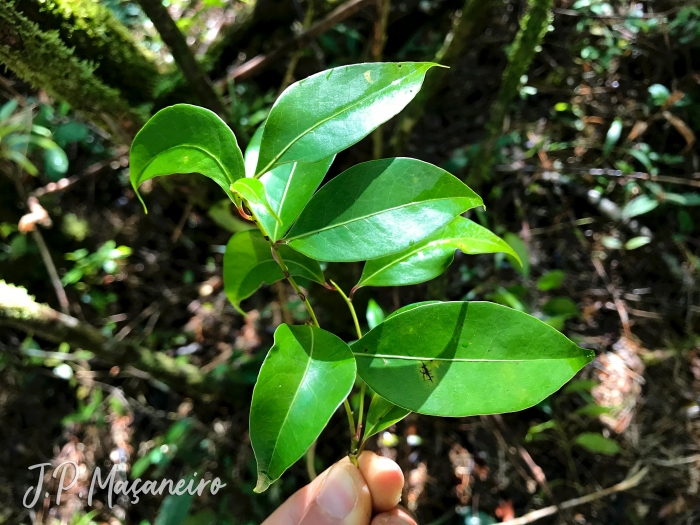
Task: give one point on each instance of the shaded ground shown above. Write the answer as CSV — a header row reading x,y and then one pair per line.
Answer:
x,y
636,308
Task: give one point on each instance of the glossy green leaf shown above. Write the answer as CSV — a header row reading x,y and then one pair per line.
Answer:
x,y
410,307
378,208
252,152
551,280
374,314
255,196
381,415
289,187
248,264
430,257
304,379
186,139
507,298
522,263
466,358
330,111
597,443
220,212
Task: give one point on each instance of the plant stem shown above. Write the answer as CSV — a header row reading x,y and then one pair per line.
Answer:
x,y
310,456
351,307
356,432
276,255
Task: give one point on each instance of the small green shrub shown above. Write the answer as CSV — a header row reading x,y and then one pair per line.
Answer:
x,y
402,216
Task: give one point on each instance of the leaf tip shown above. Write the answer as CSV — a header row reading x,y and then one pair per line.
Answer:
x,y
262,484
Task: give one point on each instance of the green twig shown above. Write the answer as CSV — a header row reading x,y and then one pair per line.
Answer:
x,y
351,307
355,432
276,255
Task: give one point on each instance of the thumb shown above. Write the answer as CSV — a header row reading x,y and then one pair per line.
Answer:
x,y
339,496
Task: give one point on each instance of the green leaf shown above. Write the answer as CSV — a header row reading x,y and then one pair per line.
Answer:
x,y
659,94
252,152
466,358
522,263
612,136
220,213
410,307
55,163
174,509
560,306
580,385
375,314
289,187
550,280
592,410
330,111
597,443
507,298
639,206
253,192
304,379
611,242
8,108
186,139
248,264
378,208
70,132
430,257
381,415
637,242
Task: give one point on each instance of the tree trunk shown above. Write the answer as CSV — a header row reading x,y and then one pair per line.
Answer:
x,y
533,27
197,79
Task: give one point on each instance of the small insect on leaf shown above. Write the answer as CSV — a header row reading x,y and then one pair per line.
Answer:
x,y
425,372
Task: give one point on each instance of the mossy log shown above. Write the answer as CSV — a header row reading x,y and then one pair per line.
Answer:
x,y
95,35
19,310
43,60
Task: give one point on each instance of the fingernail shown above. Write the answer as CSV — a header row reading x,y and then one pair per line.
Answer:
x,y
338,494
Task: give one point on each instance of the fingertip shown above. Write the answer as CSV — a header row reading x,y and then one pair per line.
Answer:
x,y
384,479
396,516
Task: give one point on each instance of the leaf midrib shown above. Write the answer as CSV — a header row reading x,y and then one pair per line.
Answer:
x,y
459,359
282,199
306,371
198,148
375,214
319,123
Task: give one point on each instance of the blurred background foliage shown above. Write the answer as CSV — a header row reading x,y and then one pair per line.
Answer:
x,y
575,119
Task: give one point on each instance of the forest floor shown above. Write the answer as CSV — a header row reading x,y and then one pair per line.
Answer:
x,y
636,308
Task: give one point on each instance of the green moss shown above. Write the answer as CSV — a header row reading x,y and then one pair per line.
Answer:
x,y
95,35
42,59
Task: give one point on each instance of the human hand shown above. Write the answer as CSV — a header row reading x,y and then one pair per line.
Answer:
x,y
345,495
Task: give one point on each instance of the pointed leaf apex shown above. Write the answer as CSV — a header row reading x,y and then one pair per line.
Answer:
x,y
263,484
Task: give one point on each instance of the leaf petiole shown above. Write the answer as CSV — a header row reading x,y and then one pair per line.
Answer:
x,y
278,258
355,432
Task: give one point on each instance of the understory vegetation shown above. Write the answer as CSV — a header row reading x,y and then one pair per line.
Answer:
x,y
568,130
